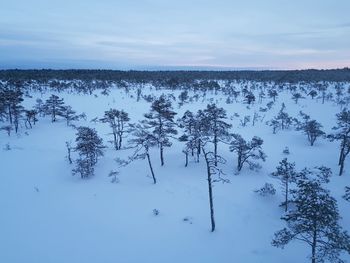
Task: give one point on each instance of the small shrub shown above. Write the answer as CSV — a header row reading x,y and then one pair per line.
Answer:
x,y
267,189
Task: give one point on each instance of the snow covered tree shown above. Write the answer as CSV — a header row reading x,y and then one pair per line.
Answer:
x,y
311,128
342,134
39,107
211,164
160,120
2,106
30,118
188,123
117,120
296,97
347,194
247,151
142,141
183,97
284,118
281,121
244,121
286,173
322,89
249,98
54,107
275,124
217,127
319,173
255,118
266,190
315,221
312,94
69,114
194,126
11,99
7,128
261,96
89,147
272,93
17,110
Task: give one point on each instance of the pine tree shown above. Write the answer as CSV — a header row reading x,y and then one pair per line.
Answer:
x,y
7,128
287,174
54,107
17,110
312,94
11,99
183,97
143,141
275,124
194,127
296,97
284,118
160,121
89,147
217,127
117,120
211,162
30,118
2,105
342,134
69,114
39,107
246,151
347,194
187,124
315,221
272,94
311,128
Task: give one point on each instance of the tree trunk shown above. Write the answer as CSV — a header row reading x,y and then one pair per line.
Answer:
x,y
53,115
313,247
286,196
15,121
150,167
161,155
198,150
239,165
120,142
341,166
186,163
10,114
215,150
115,141
211,204
69,157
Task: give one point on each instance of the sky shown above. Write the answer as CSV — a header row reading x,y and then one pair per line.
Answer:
x,y
175,34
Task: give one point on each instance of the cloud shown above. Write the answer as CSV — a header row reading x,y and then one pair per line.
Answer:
x,y
136,33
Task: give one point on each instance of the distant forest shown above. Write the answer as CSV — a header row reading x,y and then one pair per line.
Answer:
x,y
175,78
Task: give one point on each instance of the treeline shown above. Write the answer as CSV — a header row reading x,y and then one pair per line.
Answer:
x,y
176,78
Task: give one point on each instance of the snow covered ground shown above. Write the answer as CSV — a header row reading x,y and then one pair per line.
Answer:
x,y
50,216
